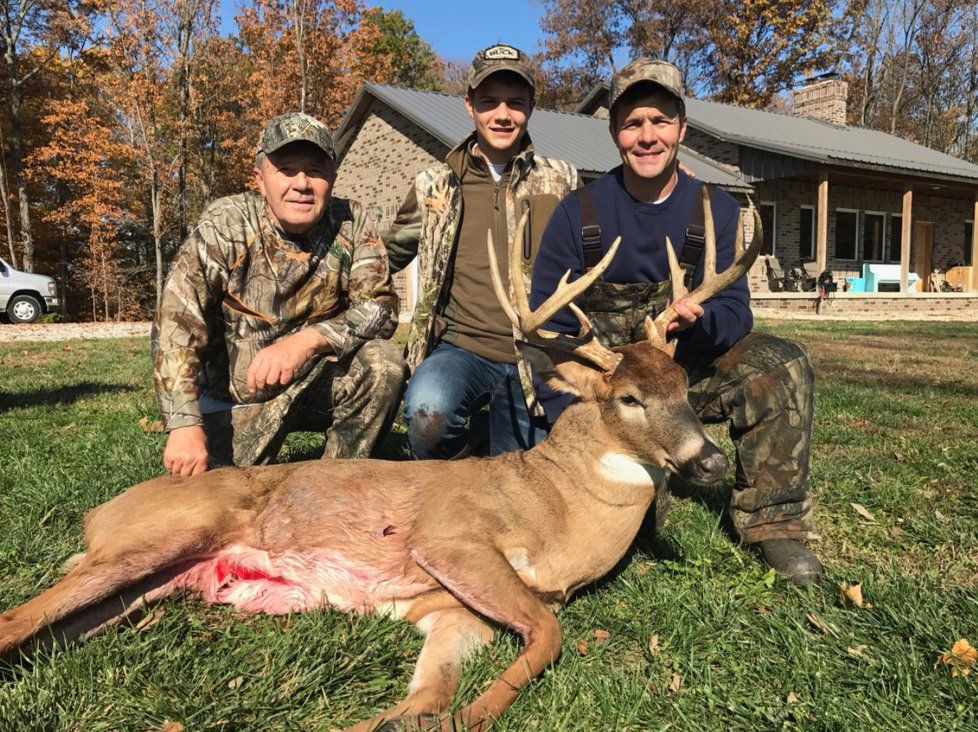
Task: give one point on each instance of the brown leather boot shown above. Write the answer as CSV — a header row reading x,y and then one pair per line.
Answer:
x,y
791,559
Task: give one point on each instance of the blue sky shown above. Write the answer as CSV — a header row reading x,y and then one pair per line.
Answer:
x,y
456,29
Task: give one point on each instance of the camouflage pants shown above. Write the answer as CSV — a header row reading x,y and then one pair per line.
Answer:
x,y
765,388
354,401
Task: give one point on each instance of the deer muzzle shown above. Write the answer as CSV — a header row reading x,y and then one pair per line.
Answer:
x,y
707,466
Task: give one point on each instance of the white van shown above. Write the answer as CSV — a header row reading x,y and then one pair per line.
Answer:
x,y
26,297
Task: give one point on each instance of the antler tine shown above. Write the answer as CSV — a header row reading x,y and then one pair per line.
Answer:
x,y
566,293
709,238
676,275
497,283
516,284
712,282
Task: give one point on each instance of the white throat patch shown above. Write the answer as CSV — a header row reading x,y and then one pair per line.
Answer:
x,y
615,466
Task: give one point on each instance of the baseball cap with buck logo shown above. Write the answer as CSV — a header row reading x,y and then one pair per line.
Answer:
x,y
497,58
641,70
295,127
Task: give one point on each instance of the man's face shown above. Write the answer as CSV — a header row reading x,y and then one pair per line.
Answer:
x,y
648,132
500,107
296,181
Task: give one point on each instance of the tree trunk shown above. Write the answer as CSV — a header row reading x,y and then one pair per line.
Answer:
x,y
17,162
155,195
184,32
298,27
5,193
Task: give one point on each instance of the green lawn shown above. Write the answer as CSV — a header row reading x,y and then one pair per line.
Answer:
x,y
896,432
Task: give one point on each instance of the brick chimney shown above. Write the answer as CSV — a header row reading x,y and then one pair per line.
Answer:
x,y
823,96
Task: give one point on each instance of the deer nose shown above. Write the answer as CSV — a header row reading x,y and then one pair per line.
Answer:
x,y
708,465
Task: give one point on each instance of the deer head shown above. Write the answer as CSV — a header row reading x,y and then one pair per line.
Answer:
x,y
639,391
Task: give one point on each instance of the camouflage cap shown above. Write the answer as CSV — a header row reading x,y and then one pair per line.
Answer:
x,y
498,58
295,127
656,71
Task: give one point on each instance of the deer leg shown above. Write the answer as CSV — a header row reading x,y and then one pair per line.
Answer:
x,y
133,542
451,637
484,581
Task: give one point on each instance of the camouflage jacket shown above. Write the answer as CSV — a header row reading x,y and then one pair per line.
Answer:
x,y
238,283
427,227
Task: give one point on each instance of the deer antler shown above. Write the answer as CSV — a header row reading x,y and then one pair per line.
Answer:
x,y
516,304
657,330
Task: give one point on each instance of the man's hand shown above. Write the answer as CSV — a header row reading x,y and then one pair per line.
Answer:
x,y
686,315
186,451
278,363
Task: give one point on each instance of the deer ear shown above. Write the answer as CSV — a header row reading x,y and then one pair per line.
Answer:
x,y
563,371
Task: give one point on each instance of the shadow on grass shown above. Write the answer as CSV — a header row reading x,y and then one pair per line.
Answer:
x,y
60,395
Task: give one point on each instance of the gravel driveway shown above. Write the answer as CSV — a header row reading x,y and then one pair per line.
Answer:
x,y
70,331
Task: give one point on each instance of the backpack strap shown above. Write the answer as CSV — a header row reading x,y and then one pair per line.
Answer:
x,y
694,245
590,230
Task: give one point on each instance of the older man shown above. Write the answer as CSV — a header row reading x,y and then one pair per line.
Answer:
x,y
762,386
272,316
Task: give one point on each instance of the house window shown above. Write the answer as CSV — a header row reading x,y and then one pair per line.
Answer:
x,y
896,234
873,240
969,228
846,234
807,239
769,220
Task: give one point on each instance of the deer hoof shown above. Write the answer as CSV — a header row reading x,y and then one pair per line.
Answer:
x,y
410,723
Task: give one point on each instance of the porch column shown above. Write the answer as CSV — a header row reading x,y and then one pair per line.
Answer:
x,y
907,225
974,247
822,223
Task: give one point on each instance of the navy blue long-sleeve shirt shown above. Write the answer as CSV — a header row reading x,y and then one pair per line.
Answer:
x,y
642,257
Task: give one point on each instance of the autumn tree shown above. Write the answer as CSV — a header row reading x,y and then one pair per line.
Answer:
x,y
43,26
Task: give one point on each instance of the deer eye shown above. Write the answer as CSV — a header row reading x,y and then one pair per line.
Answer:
x,y
628,400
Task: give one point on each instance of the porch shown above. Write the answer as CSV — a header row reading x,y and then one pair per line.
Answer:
x,y
876,234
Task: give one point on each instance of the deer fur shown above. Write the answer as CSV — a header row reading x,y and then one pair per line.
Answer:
x,y
457,548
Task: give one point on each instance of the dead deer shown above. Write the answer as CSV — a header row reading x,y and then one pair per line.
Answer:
x,y
457,548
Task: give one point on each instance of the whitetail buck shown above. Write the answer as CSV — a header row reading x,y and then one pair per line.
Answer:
x,y
456,548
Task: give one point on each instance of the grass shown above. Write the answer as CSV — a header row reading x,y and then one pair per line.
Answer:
x,y
896,429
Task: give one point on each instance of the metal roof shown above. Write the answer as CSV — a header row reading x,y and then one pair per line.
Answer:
x,y
815,139
579,139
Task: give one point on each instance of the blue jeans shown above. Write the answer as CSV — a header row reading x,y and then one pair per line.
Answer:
x,y
449,387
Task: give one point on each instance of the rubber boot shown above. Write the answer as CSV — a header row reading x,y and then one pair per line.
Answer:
x,y
791,559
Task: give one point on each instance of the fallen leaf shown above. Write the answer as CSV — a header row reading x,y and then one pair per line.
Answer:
x,y
66,347
853,595
818,623
23,353
601,636
46,516
791,698
171,727
654,646
961,658
148,426
898,456
675,683
861,510
236,682
582,647
149,620
764,609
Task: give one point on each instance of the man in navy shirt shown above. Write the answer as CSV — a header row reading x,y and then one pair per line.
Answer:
x,y
761,385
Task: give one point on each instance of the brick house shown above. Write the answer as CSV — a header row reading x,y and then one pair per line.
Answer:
x,y
833,198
